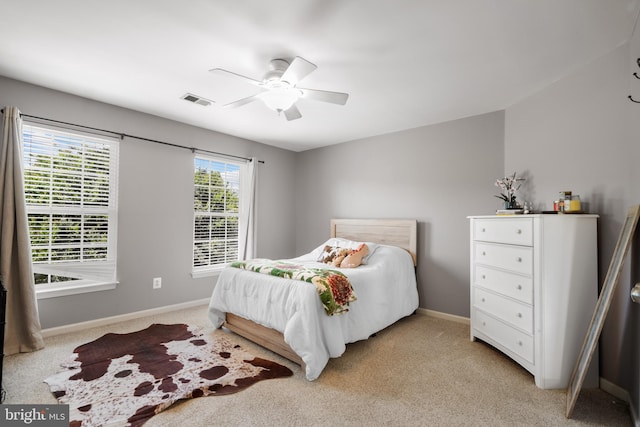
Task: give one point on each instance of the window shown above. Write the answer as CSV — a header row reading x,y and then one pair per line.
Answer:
x,y
70,181
216,219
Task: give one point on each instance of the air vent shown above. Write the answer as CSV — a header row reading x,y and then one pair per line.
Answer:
x,y
196,99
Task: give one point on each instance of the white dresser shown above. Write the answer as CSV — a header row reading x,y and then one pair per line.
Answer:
x,y
534,287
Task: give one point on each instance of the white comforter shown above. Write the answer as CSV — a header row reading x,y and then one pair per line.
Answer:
x,y
385,288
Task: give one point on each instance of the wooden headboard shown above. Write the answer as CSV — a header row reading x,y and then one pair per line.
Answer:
x,y
394,232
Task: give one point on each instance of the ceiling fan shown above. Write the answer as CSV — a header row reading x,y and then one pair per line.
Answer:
x,y
279,87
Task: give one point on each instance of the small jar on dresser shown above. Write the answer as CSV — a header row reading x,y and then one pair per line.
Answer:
x,y
534,288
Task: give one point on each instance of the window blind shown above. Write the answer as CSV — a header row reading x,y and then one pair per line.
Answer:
x,y
216,212
70,183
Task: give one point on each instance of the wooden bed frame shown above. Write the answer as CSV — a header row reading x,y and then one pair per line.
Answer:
x,y
394,232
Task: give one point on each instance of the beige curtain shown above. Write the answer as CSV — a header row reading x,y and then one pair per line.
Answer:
x,y
22,328
246,240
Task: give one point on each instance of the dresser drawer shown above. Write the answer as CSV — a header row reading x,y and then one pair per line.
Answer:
x,y
510,284
513,312
516,341
507,230
515,258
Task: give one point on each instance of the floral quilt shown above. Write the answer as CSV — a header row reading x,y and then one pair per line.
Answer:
x,y
333,287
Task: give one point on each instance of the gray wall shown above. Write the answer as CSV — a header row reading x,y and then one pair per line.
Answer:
x,y
581,134
155,203
436,174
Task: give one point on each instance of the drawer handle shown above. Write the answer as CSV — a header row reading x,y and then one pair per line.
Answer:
x,y
520,315
520,343
519,287
483,253
483,230
482,299
518,231
484,277
519,259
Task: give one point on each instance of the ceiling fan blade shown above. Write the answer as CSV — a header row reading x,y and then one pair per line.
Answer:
x,y
297,70
325,96
241,102
231,74
292,113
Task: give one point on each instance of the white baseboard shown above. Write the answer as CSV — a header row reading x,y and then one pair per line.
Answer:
x,y
621,394
75,327
614,390
446,316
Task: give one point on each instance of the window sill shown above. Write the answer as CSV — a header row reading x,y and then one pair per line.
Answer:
x,y
79,287
207,273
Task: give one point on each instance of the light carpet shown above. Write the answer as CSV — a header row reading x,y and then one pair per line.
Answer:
x,y
421,371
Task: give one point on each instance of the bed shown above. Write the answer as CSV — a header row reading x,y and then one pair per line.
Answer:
x,y
286,315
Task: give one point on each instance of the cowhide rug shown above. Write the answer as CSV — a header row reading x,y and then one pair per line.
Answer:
x,y
125,379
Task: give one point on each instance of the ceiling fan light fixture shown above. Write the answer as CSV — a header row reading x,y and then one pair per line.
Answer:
x,y
279,88
280,99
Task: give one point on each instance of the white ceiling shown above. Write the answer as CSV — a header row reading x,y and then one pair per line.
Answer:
x,y
404,63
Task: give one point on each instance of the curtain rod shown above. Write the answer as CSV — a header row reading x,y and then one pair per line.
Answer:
x,y
122,135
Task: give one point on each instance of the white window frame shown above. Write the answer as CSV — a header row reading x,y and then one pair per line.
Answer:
x,y
198,235
90,275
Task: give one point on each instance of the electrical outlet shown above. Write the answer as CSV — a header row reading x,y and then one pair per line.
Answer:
x,y
157,282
